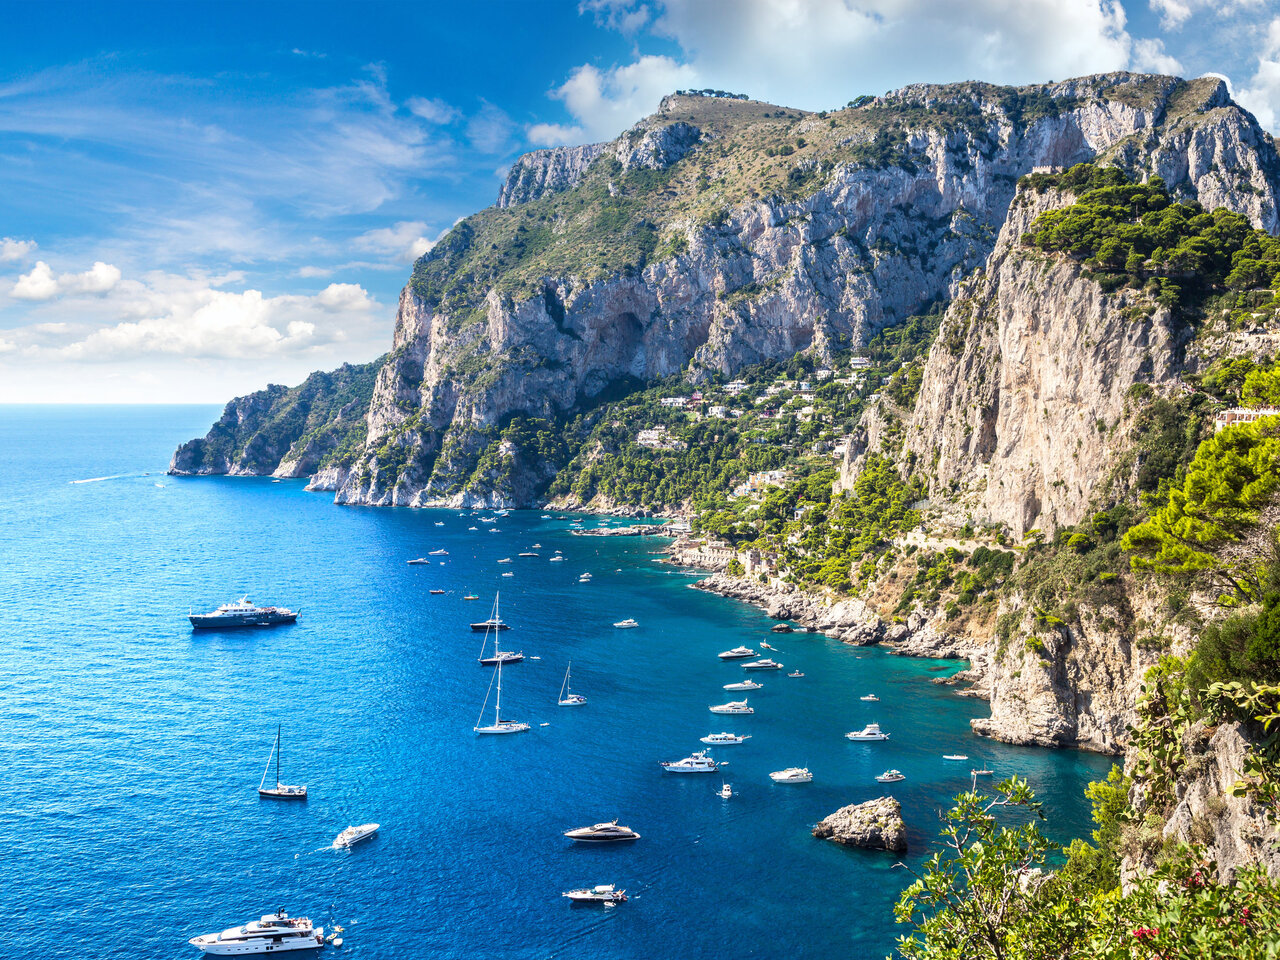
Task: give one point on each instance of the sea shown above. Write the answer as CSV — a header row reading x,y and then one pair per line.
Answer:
x,y
132,747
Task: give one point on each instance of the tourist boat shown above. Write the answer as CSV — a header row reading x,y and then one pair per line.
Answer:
x,y
725,791
725,738
281,791
274,933
353,835
626,624
795,673
603,893
982,773
242,613
734,706
744,685
698,762
890,776
955,756
738,653
567,697
782,628
437,553
792,775
870,698
765,664
609,832
871,731
499,725
418,561
435,592
494,624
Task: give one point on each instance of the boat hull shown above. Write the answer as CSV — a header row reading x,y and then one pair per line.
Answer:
x,y
604,839
283,793
257,946
494,661
209,622
489,626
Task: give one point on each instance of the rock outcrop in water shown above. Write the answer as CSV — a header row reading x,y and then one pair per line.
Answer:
x,y
874,825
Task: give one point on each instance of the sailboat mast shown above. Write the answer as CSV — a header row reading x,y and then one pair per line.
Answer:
x,y
497,707
278,728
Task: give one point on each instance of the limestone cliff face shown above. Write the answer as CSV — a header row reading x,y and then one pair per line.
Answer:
x,y
873,243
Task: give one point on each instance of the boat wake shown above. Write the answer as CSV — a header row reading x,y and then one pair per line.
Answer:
x,y
114,476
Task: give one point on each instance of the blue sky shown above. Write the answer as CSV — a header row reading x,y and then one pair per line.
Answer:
x,y
197,199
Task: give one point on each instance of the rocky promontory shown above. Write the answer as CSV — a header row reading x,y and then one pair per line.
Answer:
x,y
874,825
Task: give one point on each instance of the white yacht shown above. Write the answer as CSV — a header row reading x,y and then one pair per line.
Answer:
x,y
765,664
890,776
871,731
792,775
699,762
439,523
604,893
744,685
274,933
418,562
738,653
567,697
499,725
733,706
437,553
353,835
626,624
955,756
870,698
610,832
281,791
725,738
505,560
557,559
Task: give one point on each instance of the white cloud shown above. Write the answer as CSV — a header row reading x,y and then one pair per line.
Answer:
x,y
12,250
41,284
432,109
489,131
1149,56
1262,94
405,241
1175,13
309,272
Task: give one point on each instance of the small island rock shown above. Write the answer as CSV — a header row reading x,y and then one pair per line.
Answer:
x,y
876,825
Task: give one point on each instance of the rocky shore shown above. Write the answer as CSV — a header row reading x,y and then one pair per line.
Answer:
x,y
638,530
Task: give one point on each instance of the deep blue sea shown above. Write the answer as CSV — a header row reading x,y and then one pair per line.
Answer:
x,y
131,748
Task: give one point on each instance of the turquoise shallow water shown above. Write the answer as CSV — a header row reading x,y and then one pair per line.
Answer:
x,y
132,747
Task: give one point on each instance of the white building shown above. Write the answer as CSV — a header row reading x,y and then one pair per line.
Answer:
x,y
658,438
1242,415
735,388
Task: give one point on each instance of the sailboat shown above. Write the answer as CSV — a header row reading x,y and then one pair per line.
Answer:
x,y
281,791
494,624
567,697
499,725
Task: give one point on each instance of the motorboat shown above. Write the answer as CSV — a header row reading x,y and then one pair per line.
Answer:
x,y
584,579
528,553
792,775
871,731
725,791
795,673
437,553
494,624
626,624
508,574
439,523
955,756
499,725
505,560
725,738
494,530
870,698
584,576
488,519
242,613
471,596
557,559
536,546
418,561
982,773
602,893
546,516
744,685
353,835
890,776
765,664
281,791
610,832
435,592
699,762
738,653
734,706
274,933
567,697
472,528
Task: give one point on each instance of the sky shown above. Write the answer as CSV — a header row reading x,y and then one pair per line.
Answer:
x,y
200,199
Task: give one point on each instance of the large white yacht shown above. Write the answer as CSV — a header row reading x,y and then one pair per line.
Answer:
x,y
738,653
792,775
765,664
744,685
725,738
353,835
610,832
871,731
698,762
605,893
733,706
274,933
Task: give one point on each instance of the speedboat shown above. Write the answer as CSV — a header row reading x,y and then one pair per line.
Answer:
x,y
609,832
584,579
505,560
471,528
792,775
725,738
738,653
725,791
353,835
418,561
584,576
765,664
955,756
734,706
890,776
744,685
604,893
698,762
536,546
439,523
508,574
871,731
488,519
435,592
437,553
557,559
546,516
274,933
870,698
626,624
795,673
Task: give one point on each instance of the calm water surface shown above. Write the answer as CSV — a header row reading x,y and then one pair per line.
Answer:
x,y
132,748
